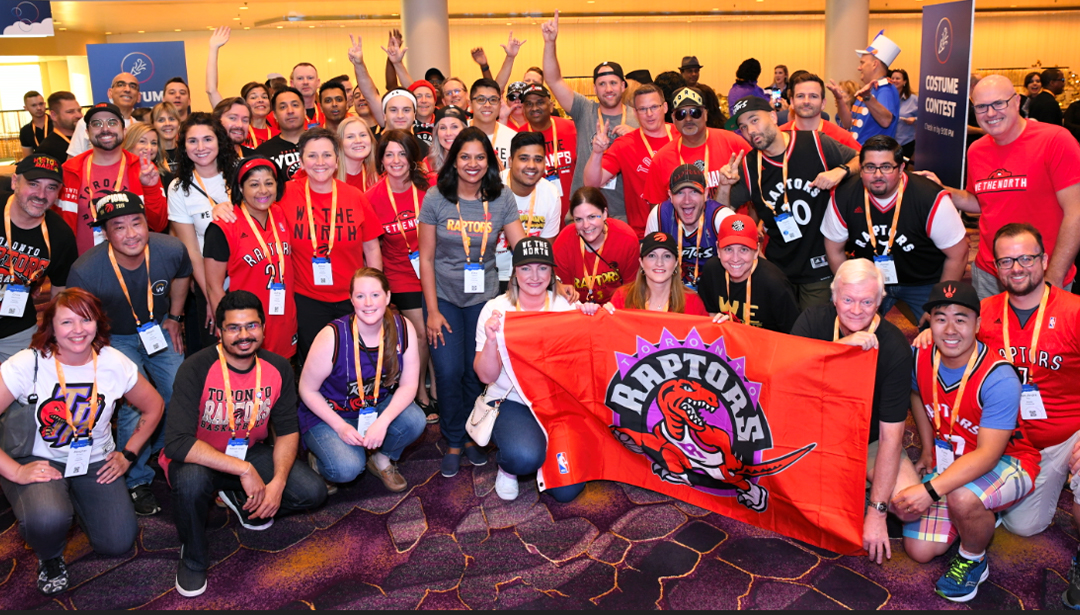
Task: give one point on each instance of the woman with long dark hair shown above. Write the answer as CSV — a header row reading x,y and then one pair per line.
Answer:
x,y
459,229
596,253
909,111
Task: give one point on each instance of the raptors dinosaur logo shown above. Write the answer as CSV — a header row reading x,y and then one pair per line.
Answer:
x,y
51,414
691,409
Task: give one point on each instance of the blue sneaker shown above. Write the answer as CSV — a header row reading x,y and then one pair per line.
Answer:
x,y
1070,598
475,455
961,582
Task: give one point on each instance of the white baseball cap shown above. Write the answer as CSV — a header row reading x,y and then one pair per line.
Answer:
x,y
881,48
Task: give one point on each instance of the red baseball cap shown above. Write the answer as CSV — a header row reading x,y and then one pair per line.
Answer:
x,y
738,229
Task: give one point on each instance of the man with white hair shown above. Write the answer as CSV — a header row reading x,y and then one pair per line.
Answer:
x,y
852,319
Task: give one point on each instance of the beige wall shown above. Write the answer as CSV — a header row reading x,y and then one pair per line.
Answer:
x,y
1001,40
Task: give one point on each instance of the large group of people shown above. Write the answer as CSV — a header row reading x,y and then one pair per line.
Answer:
x,y
316,270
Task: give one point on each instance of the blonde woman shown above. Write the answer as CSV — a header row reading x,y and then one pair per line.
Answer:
x,y
166,121
356,165
142,139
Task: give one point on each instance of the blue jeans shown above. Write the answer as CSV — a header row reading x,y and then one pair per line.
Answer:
x,y
523,446
454,376
342,463
45,512
914,296
160,370
195,487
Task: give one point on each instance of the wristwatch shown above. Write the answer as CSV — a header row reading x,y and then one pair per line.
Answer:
x,y
179,318
130,456
846,168
881,507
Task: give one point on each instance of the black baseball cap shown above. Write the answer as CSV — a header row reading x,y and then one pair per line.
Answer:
x,y
747,104
613,68
536,88
687,97
533,250
40,166
659,239
103,108
952,292
687,175
451,111
117,204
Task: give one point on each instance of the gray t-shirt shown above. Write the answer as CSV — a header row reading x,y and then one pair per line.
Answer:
x,y
583,112
450,251
94,273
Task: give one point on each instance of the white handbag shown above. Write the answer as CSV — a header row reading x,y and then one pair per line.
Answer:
x,y
482,419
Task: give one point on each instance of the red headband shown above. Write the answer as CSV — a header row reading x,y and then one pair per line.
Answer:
x,y
251,163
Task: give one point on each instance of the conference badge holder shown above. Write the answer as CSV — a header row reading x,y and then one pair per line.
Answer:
x,y
277,299
414,260
1031,403
474,278
99,235
887,266
14,303
153,339
237,447
78,461
789,229
365,420
323,275
943,454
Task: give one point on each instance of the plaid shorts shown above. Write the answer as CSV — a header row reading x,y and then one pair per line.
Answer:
x,y
1004,485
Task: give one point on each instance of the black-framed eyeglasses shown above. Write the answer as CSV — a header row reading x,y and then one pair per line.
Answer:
x,y
486,100
998,105
871,170
1025,260
694,112
247,326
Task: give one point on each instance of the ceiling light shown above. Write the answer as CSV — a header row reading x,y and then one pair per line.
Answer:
x,y
142,31
63,29
280,27
247,27
108,33
236,19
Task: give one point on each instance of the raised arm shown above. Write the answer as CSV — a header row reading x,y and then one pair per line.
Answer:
x,y
843,107
395,57
480,58
363,80
552,72
217,41
512,47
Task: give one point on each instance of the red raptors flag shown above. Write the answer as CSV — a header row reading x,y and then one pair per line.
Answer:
x,y
762,427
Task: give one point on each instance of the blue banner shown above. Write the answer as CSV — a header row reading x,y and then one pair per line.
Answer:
x,y
945,72
22,18
152,64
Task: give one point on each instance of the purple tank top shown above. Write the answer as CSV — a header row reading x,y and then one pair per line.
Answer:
x,y
340,388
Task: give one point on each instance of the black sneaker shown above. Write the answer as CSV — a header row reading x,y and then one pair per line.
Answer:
x,y
52,576
234,501
144,500
189,583
476,455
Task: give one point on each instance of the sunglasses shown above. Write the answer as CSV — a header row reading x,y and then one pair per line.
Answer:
x,y
513,97
694,112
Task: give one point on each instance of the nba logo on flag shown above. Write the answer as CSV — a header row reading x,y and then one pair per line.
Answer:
x,y
1053,321
564,468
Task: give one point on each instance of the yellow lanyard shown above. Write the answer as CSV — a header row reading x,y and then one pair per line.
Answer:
x,y
700,228
590,280
532,206
895,219
600,117
62,136
254,139
93,401
1033,349
332,222
959,393
746,301
30,277
678,148
836,327
356,362
262,243
547,303
416,210
206,192
649,148
123,285
230,404
784,169
554,143
117,185
466,241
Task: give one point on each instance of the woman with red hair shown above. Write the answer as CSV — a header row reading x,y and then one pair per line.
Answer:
x,y
58,454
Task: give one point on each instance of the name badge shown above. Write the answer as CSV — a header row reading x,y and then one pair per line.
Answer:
x,y
474,278
1031,403
789,229
943,455
414,260
277,299
99,235
887,266
366,420
14,303
152,337
78,461
611,184
237,448
320,268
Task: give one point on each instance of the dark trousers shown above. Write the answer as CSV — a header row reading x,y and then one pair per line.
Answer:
x,y
195,486
454,376
312,316
45,511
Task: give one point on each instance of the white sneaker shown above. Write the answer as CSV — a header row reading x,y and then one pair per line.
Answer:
x,y
506,485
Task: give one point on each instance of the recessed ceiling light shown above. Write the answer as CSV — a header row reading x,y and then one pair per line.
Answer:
x,y
176,30
247,27
108,33
280,27
236,19
142,31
